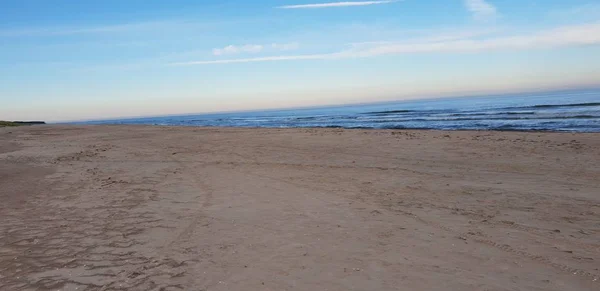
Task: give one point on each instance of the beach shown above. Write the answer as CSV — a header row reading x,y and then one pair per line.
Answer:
x,y
129,207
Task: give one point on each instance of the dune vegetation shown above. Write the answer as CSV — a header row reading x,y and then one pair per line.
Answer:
x,y
19,123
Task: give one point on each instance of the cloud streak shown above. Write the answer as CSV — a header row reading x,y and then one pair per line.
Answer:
x,y
254,48
285,46
587,34
259,59
481,9
232,49
335,4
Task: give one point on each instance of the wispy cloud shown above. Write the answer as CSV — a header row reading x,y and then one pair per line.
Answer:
x,y
259,59
232,49
481,9
459,34
254,48
335,4
285,46
587,34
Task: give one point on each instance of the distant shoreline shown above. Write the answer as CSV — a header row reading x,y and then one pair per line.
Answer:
x,y
331,127
386,130
20,123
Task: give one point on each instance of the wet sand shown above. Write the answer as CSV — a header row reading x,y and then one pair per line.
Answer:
x,y
166,208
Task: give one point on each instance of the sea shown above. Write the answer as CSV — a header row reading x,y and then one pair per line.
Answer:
x,y
565,111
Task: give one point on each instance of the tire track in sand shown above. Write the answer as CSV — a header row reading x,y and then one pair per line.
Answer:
x,y
164,265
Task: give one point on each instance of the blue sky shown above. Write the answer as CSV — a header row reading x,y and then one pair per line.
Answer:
x,y
72,60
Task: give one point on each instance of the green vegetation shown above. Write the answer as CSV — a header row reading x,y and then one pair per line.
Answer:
x,y
19,123
8,123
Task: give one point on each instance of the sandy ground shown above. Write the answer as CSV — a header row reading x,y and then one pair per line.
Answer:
x,y
163,208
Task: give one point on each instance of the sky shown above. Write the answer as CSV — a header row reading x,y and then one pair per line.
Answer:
x,y
64,60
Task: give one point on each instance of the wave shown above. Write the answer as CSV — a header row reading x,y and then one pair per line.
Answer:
x,y
544,106
389,112
509,127
525,118
517,113
434,119
568,105
496,113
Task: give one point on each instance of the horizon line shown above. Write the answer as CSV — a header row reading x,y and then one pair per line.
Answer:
x,y
473,94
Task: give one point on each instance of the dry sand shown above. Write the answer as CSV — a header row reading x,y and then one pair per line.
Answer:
x,y
163,208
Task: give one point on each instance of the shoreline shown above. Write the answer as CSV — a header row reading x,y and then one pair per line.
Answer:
x,y
328,127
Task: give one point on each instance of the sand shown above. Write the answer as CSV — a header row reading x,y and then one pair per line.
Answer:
x,y
184,208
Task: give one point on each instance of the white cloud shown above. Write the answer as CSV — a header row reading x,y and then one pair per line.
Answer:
x,y
335,4
586,34
285,46
232,49
254,48
433,37
481,9
259,59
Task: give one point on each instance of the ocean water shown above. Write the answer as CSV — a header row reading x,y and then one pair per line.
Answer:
x,y
572,111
